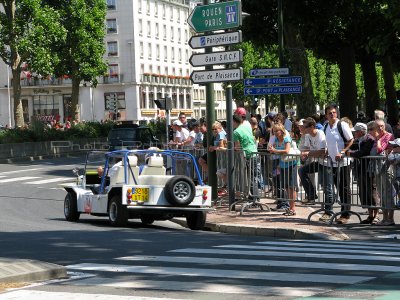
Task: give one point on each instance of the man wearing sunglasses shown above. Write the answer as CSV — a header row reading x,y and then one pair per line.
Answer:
x,y
339,139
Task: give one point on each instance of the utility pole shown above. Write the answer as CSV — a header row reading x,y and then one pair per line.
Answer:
x,y
281,48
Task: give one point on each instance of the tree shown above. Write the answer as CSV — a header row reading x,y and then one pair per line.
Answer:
x,y
82,53
27,29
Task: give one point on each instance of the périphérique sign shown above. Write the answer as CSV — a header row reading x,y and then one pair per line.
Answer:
x,y
215,40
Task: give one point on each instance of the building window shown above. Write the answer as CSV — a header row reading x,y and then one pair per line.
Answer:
x,y
148,7
113,70
112,48
139,6
157,31
186,56
141,49
180,57
158,52
140,27
164,32
148,29
149,50
171,13
179,15
173,55
172,33
179,35
163,11
121,103
111,4
188,101
156,8
112,26
165,54
46,105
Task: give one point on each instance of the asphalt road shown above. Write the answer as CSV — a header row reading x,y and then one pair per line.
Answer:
x,y
165,260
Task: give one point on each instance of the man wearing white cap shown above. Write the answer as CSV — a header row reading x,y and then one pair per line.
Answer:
x,y
181,133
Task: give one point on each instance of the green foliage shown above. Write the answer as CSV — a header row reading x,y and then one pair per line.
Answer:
x,y
39,132
158,126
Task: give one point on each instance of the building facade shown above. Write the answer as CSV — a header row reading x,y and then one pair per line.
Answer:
x,y
148,55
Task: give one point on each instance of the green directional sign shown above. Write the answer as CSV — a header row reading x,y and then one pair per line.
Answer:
x,y
216,16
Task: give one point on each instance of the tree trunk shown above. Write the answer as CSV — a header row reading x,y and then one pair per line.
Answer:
x,y
298,65
18,110
370,85
76,112
390,90
348,88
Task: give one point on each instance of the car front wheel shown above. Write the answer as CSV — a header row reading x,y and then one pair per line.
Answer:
x,y
70,207
117,213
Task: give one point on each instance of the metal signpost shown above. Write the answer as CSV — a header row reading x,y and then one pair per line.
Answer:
x,y
216,58
216,40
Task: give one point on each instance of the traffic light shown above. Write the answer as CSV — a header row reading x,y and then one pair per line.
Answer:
x,y
164,103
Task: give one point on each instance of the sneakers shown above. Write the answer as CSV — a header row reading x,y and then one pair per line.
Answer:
x,y
325,217
308,201
343,220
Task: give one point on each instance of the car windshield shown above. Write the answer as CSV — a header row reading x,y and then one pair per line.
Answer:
x,y
95,159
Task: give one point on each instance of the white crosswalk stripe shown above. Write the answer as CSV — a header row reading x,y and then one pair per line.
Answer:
x,y
270,268
18,179
52,180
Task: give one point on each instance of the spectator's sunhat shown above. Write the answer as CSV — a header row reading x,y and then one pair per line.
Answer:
x,y
271,114
359,127
177,122
301,122
396,142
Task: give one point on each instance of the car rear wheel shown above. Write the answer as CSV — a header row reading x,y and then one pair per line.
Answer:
x,y
196,220
117,213
71,208
147,220
179,190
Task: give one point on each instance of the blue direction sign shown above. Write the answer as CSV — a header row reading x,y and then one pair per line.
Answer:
x,y
274,90
273,80
269,72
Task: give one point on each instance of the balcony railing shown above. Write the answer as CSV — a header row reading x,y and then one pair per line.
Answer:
x,y
43,82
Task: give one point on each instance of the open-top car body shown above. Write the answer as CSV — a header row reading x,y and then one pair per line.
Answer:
x,y
145,184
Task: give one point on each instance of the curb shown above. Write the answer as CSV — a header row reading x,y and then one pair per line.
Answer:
x,y
15,271
12,160
274,232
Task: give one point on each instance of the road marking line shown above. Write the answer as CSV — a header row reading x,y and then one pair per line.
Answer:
x,y
327,244
19,171
312,249
369,246
51,180
288,254
17,179
40,295
242,274
203,287
259,262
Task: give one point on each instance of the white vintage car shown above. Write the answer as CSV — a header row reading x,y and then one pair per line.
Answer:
x,y
146,184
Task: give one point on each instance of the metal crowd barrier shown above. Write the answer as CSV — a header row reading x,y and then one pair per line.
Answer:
x,y
369,182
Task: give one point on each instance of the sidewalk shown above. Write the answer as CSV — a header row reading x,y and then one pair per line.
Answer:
x,y
255,221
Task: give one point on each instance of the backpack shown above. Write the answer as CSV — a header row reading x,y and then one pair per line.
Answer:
x,y
340,129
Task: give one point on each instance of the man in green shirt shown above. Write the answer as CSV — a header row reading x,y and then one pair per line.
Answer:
x,y
244,140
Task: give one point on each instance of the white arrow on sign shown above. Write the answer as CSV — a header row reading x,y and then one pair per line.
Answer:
x,y
214,40
216,58
221,75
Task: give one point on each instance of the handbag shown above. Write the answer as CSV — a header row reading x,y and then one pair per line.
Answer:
x,y
293,153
